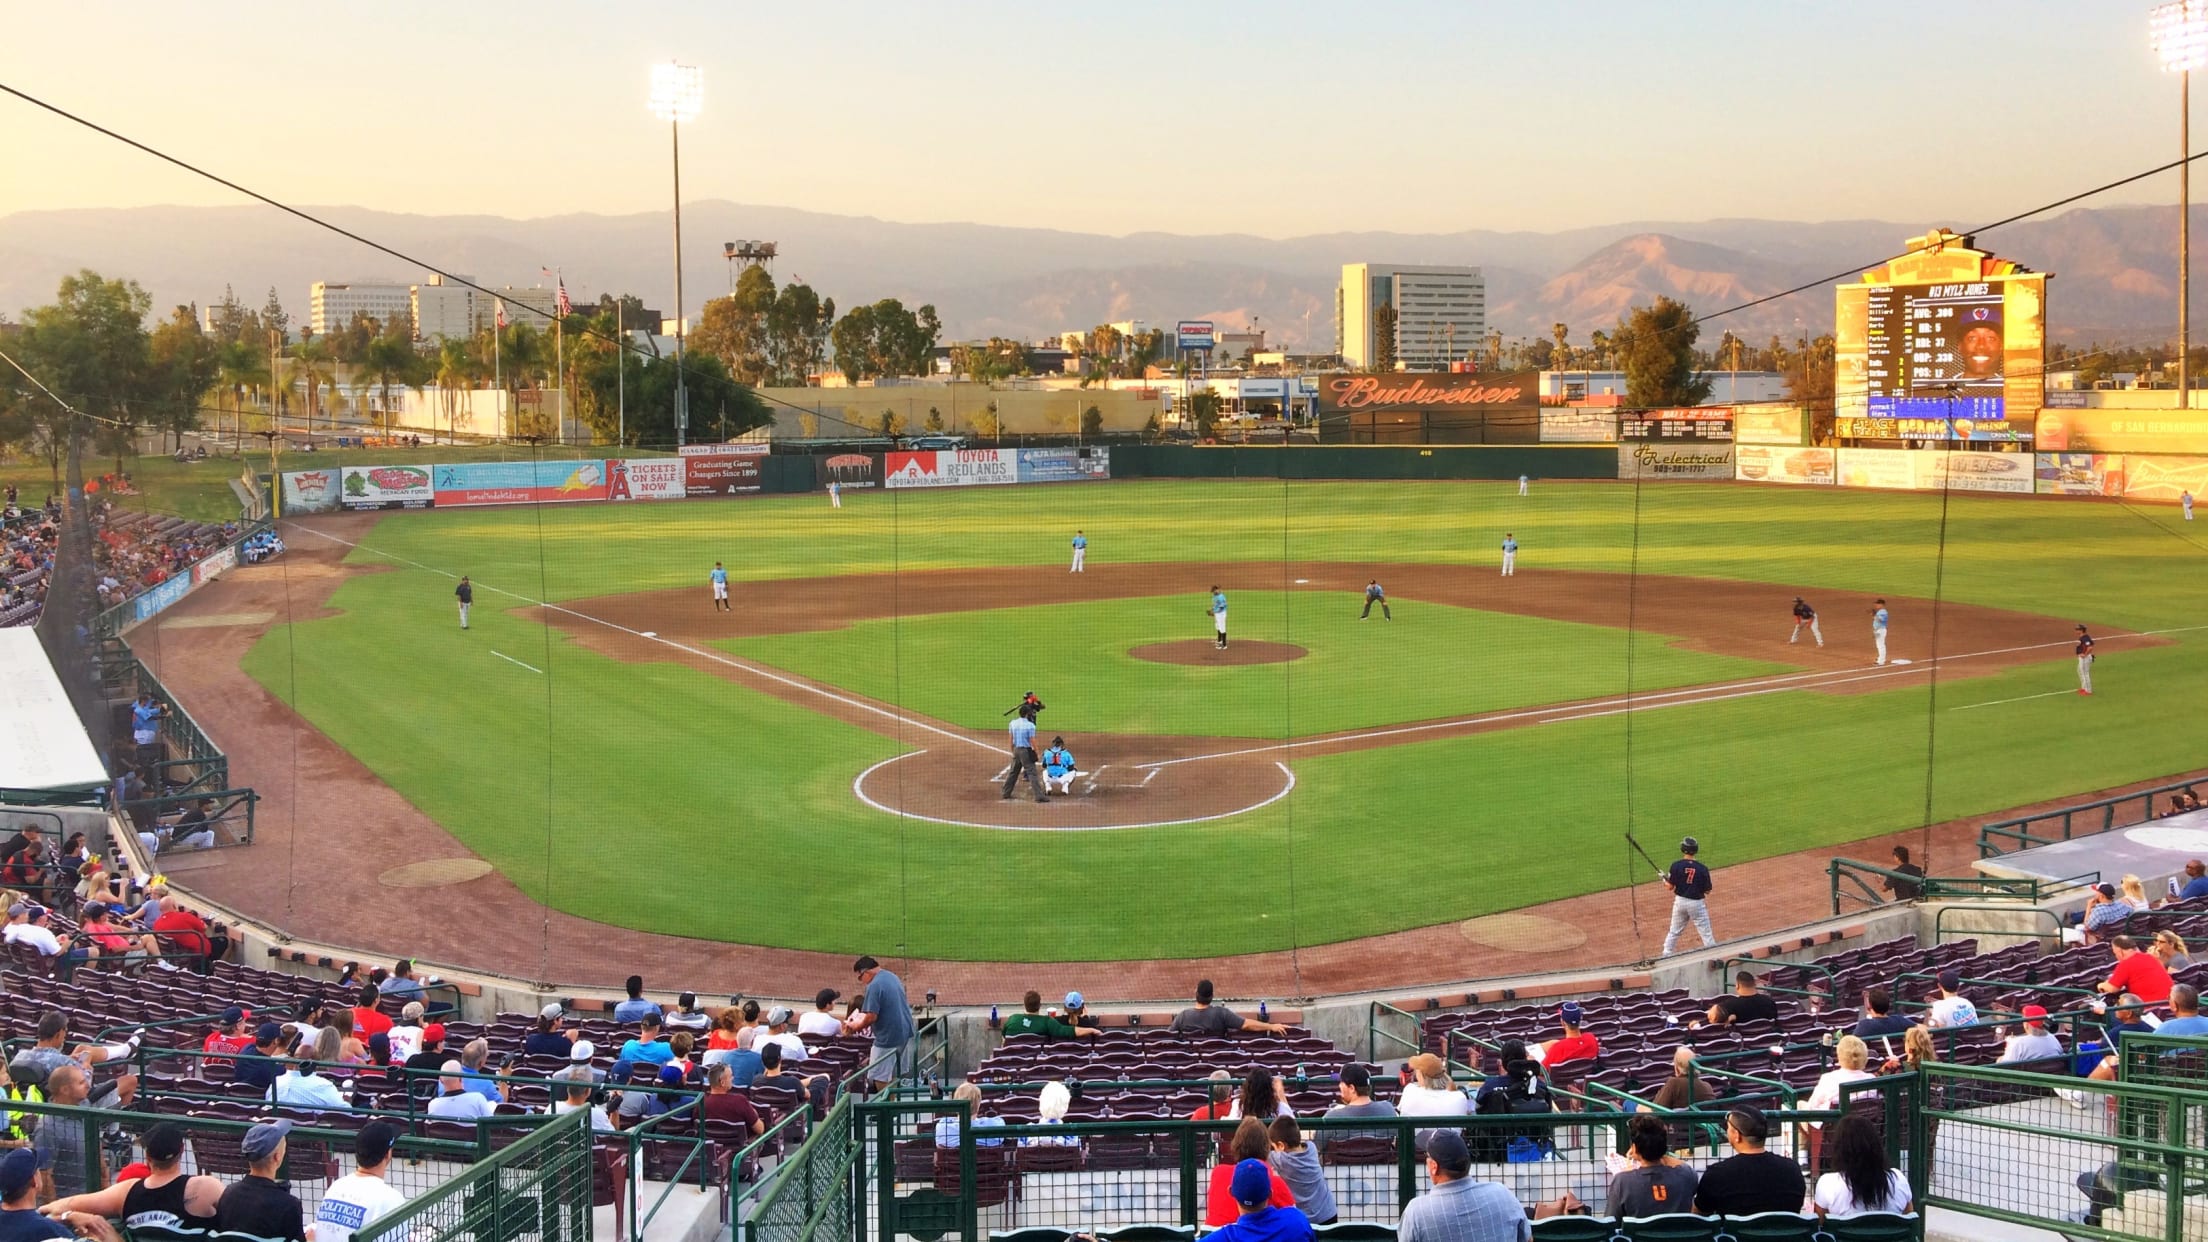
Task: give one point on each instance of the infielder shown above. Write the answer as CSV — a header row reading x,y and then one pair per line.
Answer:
x,y
1080,551
1878,629
1022,732
465,593
1058,766
1805,615
1510,554
2185,498
1522,481
1219,615
1376,594
719,577
1690,886
2085,660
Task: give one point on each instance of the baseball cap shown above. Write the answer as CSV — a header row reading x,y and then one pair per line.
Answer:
x,y
39,912
1425,1065
165,1143
2105,889
267,1033
1253,1183
1448,1150
374,1142
826,997
19,1168
583,1050
433,1033
19,909
1074,1000
1356,1076
2034,1011
670,1075
778,1015
1571,1012
94,909
235,1014
1951,979
261,1141
2081,629
552,1010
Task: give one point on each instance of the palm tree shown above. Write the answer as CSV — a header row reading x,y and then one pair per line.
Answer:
x,y
312,365
387,361
243,366
456,371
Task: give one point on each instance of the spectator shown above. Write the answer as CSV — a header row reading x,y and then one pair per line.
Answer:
x,y
635,1008
579,1061
1219,1101
367,1018
1517,1087
1653,1183
2137,972
575,1098
1746,1004
884,1010
808,1086
60,1144
1206,1018
947,1125
1878,1015
27,925
363,1196
477,1055
1355,1090
2105,910
647,1047
1905,889
401,981
1854,1057
779,1032
1682,1090
336,1044
15,1127
232,1034
182,931
430,1055
1458,1209
1861,1180
1917,1050
303,1086
1751,1180
456,1100
749,1029
1574,1044
406,1033
821,1022
1223,1197
549,1040
264,1065
1033,1021
34,1064
1950,1008
1431,1092
255,1204
669,1098
1260,1098
2170,950
1297,1163
1077,1012
165,1196
726,1024
687,1016
721,1103
2185,1003
2032,1043
20,1178
1051,1104
2196,880
743,1064
680,1044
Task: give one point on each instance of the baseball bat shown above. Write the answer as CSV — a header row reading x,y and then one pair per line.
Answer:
x,y
1643,853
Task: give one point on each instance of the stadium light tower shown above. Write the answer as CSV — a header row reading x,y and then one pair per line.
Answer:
x,y
2180,31
678,92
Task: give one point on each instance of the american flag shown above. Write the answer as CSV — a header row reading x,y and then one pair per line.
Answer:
x,y
566,307
500,305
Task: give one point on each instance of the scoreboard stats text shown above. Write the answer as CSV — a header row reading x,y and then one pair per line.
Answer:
x,y
1936,351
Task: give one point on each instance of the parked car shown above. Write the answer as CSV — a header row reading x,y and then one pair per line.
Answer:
x,y
924,443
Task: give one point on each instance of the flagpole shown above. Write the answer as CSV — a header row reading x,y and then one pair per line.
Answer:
x,y
559,348
498,378
621,368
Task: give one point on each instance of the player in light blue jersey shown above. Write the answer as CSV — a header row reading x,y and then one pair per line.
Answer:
x,y
720,588
1878,629
1219,616
1080,551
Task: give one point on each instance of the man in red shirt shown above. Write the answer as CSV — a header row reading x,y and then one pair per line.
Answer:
x,y
181,930
232,1035
1574,1044
369,1021
721,1103
2138,972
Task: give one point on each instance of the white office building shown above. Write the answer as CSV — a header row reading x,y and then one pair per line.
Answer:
x,y
442,310
331,306
1439,314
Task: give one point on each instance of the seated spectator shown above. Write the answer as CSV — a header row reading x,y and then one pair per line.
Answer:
x,y
549,1039
1751,1180
1917,1050
2196,881
1879,1017
264,1061
181,931
722,1103
2185,1003
255,1204
748,1028
2137,972
1854,1057
232,1034
1458,1209
1574,1044
379,1061
1051,1104
2107,907
1219,1102
455,1099
1206,1018
579,1061
1260,1098
947,1126
657,1103
2032,1043
27,924
1861,1180
1251,1143
778,1032
681,1045
2169,949
429,1056
62,1147
20,1188
687,1016
574,1097
363,1196
1355,1089
166,1196
1516,1087
1033,1021
473,1059
813,1087
303,1086
648,1047
337,1044
1682,1090
743,1064
1297,1163
722,1036
1431,1092
95,925
1746,1004
367,1018
406,1033
35,1063
1904,889
635,1008
1654,1182
821,1022
401,981
1077,1012
1950,1008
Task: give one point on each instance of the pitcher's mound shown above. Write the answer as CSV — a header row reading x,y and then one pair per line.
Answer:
x,y
1204,651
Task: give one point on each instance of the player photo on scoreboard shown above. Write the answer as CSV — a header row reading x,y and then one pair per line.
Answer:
x,y
1956,338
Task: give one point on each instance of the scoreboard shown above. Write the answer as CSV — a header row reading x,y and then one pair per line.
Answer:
x,y
1705,423
1936,351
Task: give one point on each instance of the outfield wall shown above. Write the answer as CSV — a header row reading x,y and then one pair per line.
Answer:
x,y
2153,478
1181,461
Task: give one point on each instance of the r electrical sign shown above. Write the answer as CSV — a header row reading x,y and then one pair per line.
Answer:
x,y
1675,461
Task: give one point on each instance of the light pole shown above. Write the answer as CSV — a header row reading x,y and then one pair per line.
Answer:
x,y
2180,31
678,91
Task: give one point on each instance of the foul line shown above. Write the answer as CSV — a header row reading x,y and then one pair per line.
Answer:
x,y
754,670
1998,702
511,660
858,790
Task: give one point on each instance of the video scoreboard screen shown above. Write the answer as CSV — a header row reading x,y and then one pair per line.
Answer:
x,y
1936,351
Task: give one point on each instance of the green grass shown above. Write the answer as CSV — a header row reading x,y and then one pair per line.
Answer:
x,y
592,784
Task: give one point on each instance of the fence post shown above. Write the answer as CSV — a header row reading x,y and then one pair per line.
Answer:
x,y
1189,1214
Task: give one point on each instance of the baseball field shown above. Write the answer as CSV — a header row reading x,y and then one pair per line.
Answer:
x,y
819,767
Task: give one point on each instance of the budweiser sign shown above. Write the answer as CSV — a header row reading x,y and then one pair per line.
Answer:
x,y
1429,392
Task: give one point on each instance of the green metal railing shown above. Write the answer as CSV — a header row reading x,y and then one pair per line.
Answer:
x,y
539,1188
818,1193
1941,929
1400,1046
231,816
1845,873
2001,836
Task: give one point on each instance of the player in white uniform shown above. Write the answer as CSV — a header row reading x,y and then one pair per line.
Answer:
x,y
1080,551
835,494
2185,498
1522,481
1878,629
2084,651
1219,615
719,577
1510,554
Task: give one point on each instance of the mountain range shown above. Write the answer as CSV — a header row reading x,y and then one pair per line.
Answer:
x,y
2115,267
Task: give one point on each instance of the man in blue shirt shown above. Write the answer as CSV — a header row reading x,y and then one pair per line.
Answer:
x,y
1376,594
1022,732
884,1010
634,1008
1252,1188
1219,615
1690,884
2196,881
1059,767
720,588
1510,555
1878,629
1080,551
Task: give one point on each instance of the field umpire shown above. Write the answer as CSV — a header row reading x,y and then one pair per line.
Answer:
x,y
1023,755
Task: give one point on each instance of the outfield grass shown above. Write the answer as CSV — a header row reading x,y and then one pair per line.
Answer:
x,y
600,770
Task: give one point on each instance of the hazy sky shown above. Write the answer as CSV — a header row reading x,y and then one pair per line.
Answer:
x,y
1276,119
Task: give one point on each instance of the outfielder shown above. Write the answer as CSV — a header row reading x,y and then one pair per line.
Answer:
x,y
465,593
1522,481
1219,615
835,494
1690,885
1376,594
2185,498
1805,615
1510,554
2085,660
719,578
1878,629
1058,765
1080,551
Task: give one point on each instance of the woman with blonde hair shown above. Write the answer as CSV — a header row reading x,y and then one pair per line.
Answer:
x,y
1854,1057
2135,893
2170,948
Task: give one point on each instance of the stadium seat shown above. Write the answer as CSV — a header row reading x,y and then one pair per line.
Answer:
x,y
1574,1229
1358,1150
1876,1227
1672,1227
1771,1227
1355,1231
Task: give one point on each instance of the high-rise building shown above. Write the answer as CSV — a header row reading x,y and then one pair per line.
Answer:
x,y
331,306
533,306
1422,317
442,310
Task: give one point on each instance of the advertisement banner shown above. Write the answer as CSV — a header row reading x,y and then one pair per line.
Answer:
x,y
2122,431
2165,478
1929,429
519,482
2079,474
951,468
2066,399
1064,465
213,566
310,491
1891,469
1193,334
1769,423
1701,423
1676,461
147,606
1762,463
645,478
720,474
2012,473
387,487
1578,426
850,470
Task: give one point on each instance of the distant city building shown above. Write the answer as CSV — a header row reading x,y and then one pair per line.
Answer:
x,y
1440,314
331,306
534,306
1608,387
442,311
